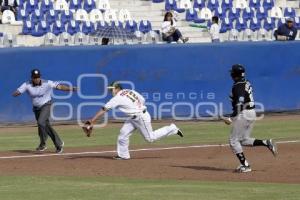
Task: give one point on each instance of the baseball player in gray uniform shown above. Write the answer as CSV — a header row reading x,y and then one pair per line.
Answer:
x,y
132,104
40,92
243,118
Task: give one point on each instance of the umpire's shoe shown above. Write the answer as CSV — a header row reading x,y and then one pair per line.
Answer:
x,y
41,148
60,149
272,147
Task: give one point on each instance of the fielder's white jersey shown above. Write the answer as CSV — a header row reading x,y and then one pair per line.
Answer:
x,y
40,94
129,102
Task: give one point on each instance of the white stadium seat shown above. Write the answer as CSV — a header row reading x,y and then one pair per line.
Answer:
x,y
103,4
61,5
8,17
276,12
124,15
110,15
81,15
241,4
185,4
96,15
206,14
50,39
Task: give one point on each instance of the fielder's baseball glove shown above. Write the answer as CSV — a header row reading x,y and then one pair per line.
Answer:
x,y
87,128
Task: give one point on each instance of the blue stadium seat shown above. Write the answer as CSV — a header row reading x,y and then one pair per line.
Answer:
x,y
289,12
131,26
73,27
102,25
22,15
234,14
297,22
117,23
254,4
75,4
226,4
31,6
255,24
37,16
42,29
88,28
220,12
213,4
172,5
89,5
190,14
240,25
28,28
66,16
46,5
269,24
51,16
268,4
157,1
248,13
58,28
280,22
199,4
226,25
145,26
261,13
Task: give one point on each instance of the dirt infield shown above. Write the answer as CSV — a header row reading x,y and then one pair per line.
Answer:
x,y
206,163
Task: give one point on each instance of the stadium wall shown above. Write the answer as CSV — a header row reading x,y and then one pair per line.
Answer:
x,y
188,80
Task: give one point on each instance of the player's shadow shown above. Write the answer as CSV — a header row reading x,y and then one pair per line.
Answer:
x,y
205,168
27,152
105,157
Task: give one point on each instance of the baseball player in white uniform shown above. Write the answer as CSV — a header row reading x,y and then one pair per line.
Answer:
x,y
132,104
40,92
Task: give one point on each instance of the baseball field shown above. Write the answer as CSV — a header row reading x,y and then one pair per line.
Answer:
x,y
198,166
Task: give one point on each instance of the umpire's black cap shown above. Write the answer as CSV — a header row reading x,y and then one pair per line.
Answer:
x,y
237,70
35,73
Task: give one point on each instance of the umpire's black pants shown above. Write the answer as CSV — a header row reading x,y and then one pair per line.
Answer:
x,y
42,115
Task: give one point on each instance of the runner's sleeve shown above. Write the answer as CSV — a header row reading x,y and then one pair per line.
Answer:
x,y
22,88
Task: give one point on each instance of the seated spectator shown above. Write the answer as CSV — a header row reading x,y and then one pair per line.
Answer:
x,y
215,29
8,5
169,31
286,31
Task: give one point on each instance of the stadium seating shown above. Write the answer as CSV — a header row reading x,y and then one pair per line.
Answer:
x,y
220,12
145,26
46,5
58,28
289,12
213,4
248,13
240,25
89,5
269,24
131,26
226,5
73,27
8,17
199,4
75,5
261,13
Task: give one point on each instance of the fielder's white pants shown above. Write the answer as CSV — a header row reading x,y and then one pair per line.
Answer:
x,y
242,126
142,122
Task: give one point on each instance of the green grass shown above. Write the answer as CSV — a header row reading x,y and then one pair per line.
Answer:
x,y
195,133
83,188
114,188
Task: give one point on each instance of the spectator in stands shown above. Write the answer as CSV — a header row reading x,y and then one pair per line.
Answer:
x,y
169,31
286,31
215,29
105,41
8,5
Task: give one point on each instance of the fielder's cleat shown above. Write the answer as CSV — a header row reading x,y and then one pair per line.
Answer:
x,y
243,169
41,148
120,158
180,133
272,147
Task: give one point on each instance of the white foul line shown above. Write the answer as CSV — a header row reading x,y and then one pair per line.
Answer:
x,y
134,150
